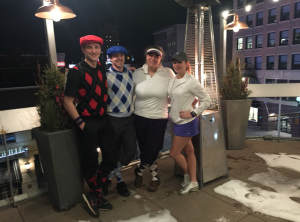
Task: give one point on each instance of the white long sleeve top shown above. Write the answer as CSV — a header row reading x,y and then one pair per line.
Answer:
x,y
152,92
182,93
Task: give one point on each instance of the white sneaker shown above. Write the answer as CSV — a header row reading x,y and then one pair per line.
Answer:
x,y
192,186
186,180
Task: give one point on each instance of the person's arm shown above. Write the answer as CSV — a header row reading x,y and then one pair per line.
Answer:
x,y
70,108
197,90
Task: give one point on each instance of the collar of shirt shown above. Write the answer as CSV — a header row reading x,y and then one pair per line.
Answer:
x,y
145,68
116,71
87,66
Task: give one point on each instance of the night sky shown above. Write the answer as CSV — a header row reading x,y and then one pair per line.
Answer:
x,y
137,20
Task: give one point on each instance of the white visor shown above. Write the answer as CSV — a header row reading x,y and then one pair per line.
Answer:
x,y
154,50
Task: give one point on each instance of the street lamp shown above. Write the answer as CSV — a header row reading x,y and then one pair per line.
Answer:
x,y
51,11
236,25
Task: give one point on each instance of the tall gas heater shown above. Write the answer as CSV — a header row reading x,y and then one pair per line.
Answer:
x,y
200,48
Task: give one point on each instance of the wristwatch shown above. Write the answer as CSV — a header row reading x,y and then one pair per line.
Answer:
x,y
193,114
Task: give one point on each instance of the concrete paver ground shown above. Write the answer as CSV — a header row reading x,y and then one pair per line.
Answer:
x,y
203,205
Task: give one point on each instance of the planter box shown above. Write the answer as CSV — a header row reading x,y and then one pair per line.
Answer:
x,y
59,153
235,115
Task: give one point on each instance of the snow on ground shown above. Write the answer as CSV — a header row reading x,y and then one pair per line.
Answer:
x,y
137,196
276,203
281,160
160,216
222,219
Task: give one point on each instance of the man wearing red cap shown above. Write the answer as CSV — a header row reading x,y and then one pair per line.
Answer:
x,y
87,83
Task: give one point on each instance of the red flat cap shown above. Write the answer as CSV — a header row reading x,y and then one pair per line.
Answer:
x,y
90,38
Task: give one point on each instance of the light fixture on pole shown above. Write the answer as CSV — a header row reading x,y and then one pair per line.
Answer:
x,y
51,11
236,25
248,8
55,11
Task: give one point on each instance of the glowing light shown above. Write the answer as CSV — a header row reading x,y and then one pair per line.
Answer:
x,y
27,166
216,136
55,14
204,76
98,149
225,14
236,29
275,0
243,79
298,99
248,8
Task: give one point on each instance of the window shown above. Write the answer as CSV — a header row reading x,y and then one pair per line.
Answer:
x,y
272,16
249,20
241,18
249,42
240,3
259,1
296,62
270,81
296,36
297,10
271,39
258,63
284,37
282,62
259,18
270,62
248,63
285,13
249,1
258,41
239,43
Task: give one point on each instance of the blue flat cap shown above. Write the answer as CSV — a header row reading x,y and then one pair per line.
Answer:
x,y
116,49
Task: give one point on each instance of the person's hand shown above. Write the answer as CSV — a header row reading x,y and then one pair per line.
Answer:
x,y
82,126
131,68
185,114
195,102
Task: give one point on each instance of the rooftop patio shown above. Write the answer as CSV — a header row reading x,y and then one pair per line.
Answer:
x,y
204,205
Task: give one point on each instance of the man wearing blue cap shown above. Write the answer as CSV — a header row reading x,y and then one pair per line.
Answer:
x,y
119,110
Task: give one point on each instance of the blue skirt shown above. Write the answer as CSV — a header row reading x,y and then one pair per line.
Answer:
x,y
186,130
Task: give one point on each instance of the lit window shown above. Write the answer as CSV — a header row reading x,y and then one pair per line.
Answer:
x,y
239,43
284,38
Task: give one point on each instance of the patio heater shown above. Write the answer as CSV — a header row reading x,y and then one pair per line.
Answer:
x,y
200,47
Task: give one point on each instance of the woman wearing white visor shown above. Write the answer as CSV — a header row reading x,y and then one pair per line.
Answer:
x,y
151,112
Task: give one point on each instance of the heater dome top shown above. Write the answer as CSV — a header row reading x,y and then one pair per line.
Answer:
x,y
191,3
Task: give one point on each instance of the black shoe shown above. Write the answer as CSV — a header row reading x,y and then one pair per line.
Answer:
x,y
122,189
92,203
103,204
138,182
105,187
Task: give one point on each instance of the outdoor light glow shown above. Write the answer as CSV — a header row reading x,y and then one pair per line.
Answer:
x,y
56,14
216,136
275,0
298,99
204,76
98,149
244,79
27,165
236,28
248,8
225,14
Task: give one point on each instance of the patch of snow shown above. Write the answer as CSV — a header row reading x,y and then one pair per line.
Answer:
x,y
277,204
137,196
222,219
242,212
160,216
281,160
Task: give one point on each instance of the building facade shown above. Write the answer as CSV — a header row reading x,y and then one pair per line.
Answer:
x,y
171,39
110,35
270,50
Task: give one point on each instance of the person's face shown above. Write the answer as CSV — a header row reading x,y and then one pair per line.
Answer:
x,y
153,60
179,67
92,51
118,59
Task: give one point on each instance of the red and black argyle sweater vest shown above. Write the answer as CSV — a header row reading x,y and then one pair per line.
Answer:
x,y
93,91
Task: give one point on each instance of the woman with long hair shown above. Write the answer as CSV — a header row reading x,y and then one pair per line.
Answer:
x,y
151,112
182,91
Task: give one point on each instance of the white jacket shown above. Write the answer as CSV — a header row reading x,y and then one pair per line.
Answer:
x,y
182,93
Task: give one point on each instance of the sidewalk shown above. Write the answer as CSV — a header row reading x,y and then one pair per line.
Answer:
x,y
202,206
